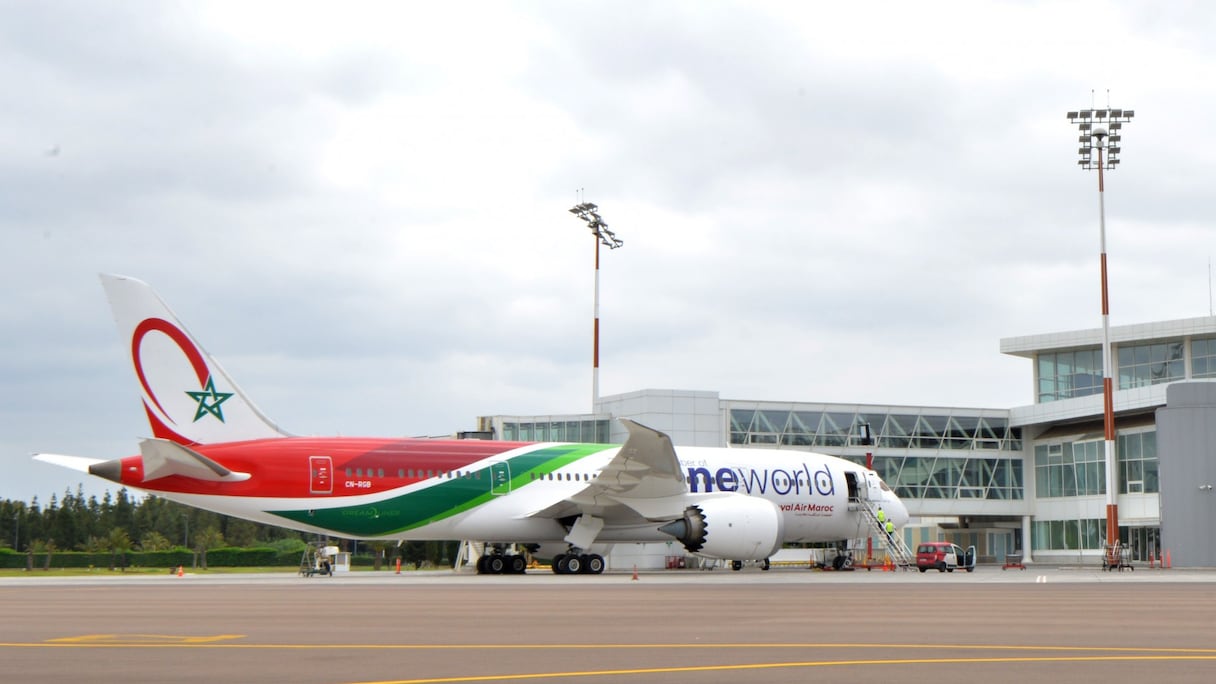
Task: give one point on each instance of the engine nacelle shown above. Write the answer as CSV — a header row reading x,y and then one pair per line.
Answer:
x,y
734,527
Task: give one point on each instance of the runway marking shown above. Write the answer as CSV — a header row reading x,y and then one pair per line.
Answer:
x,y
773,666
1079,654
140,640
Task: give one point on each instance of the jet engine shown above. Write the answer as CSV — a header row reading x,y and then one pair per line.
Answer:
x,y
733,527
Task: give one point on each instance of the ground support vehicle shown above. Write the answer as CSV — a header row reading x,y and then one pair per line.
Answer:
x,y
944,557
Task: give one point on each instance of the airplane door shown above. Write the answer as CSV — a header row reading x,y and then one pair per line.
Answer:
x,y
874,490
321,475
500,478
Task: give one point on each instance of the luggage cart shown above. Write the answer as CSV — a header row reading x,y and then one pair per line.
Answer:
x,y
1117,557
318,559
1013,560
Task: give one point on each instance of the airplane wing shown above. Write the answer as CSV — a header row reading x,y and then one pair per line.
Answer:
x,y
644,476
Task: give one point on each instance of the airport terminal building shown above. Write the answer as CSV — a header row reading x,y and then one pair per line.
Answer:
x,y
1028,480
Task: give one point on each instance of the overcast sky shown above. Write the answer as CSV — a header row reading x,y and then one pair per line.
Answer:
x,y
361,208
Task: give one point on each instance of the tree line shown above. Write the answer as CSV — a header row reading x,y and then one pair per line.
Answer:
x,y
119,523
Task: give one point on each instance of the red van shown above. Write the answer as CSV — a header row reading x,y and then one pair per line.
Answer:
x,y
944,556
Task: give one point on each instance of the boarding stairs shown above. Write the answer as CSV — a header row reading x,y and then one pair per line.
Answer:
x,y
900,554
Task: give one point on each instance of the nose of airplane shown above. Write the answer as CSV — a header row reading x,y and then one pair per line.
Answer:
x,y
896,510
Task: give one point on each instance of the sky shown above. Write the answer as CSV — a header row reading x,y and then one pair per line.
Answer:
x,y
361,208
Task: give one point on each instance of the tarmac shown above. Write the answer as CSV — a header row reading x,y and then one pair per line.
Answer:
x,y
1075,624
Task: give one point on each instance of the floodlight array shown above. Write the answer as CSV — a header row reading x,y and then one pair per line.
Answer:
x,y
1101,131
590,213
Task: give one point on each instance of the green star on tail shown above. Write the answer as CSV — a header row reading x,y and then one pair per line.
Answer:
x,y
216,398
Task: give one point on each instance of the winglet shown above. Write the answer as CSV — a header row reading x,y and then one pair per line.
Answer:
x,y
646,467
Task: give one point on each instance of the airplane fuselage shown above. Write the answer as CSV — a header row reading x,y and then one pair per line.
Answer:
x,y
370,488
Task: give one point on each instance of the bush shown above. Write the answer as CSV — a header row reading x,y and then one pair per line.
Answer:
x,y
243,558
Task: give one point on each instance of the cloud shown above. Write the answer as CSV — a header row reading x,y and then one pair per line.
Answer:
x,y
362,210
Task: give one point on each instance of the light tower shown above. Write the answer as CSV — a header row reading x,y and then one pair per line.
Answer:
x,y
1101,132
599,230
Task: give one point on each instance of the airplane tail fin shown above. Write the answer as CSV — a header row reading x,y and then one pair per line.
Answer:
x,y
188,397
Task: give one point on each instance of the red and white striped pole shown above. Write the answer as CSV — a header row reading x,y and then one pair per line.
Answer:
x,y
595,345
599,231
1108,393
1106,142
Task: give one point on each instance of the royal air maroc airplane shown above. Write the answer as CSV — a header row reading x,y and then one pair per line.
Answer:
x,y
213,449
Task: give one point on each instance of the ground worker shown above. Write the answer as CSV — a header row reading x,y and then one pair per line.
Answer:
x,y
882,517
890,529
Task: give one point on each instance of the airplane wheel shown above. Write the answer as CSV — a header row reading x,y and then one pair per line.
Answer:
x,y
518,564
764,565
574,564
736,565
595,564
481,565
496,564
559,564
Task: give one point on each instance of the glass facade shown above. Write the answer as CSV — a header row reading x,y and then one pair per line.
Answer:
x,y
942,456
1142,365
827,428
950,477
1069,469
1078,373
1137,457
1063,375
1068,534
585,431
1203,358
1079,469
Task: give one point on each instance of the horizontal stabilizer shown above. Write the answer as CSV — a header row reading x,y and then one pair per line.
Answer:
x,y
80,463
163,458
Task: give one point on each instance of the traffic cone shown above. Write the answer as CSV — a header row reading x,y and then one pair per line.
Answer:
x,y
181,571
398,566
635,572
1168,564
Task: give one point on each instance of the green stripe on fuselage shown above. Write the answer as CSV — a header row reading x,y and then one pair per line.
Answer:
x,y
442,500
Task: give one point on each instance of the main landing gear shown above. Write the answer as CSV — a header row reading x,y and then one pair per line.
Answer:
x,y
738,565
574,563
495,562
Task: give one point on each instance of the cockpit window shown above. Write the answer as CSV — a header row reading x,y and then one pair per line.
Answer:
x,y
884,486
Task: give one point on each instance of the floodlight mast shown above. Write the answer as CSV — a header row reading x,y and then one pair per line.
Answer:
x,y
1101,131
599,230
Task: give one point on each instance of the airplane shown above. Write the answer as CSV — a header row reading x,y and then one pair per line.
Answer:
x,y
211,448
